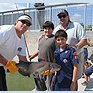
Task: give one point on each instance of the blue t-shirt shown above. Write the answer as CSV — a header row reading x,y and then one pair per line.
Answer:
x,y
66,59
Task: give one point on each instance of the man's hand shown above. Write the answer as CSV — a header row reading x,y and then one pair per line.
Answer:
x,y
11,66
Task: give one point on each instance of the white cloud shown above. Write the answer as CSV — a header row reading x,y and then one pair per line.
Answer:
x,y
6,6
76,17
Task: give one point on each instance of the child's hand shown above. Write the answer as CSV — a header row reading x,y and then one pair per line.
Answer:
x,y
73,86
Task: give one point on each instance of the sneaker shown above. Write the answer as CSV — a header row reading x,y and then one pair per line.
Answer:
x,y
85,83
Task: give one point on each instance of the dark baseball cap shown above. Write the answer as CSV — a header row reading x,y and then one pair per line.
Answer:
x,y
63,11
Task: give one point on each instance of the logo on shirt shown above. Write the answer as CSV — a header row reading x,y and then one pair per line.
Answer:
x,y
19,49
75,55
65,60
66,51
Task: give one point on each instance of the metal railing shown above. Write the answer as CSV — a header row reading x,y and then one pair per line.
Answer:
x,y
80,12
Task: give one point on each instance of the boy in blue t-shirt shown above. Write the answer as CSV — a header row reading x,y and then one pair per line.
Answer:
x,y
67,58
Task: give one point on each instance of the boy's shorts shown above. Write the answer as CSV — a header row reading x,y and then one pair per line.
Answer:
x,y
88,71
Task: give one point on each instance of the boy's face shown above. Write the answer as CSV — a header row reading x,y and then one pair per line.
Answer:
x,y
61,41
48,31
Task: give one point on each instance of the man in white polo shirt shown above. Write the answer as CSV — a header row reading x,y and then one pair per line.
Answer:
x,y
12,44
76,36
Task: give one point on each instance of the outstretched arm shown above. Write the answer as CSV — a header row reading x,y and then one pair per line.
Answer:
x,y
10,65
81,43
34,55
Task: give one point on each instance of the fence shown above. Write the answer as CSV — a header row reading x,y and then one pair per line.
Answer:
x,y
79,12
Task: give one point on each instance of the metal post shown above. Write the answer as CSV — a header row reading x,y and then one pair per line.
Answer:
x,y
92,18
2,19
51,14
28,6
12,18
85,17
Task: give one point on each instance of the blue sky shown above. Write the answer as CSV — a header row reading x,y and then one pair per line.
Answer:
x,y
10,4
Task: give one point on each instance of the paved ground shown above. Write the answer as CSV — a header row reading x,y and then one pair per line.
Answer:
x,y
88,87
80,86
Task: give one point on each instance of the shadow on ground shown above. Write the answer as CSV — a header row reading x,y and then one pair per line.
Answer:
x,y
90,85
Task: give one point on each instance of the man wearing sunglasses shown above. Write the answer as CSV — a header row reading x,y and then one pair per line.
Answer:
x,y
76,36
12,44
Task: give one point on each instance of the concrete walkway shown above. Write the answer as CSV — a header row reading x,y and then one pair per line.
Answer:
x,y
80,86
88,87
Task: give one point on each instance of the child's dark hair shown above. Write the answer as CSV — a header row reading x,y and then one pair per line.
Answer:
x,y
61,33
48,24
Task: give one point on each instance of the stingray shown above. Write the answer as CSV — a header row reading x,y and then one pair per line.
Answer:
x,y
27,68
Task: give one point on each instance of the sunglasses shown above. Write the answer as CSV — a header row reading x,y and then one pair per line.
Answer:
x,y
62,16
25,22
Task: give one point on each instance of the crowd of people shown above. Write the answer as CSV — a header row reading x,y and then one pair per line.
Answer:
x,y
62,45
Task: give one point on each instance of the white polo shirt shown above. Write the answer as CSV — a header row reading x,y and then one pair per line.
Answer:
x,y
75,33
